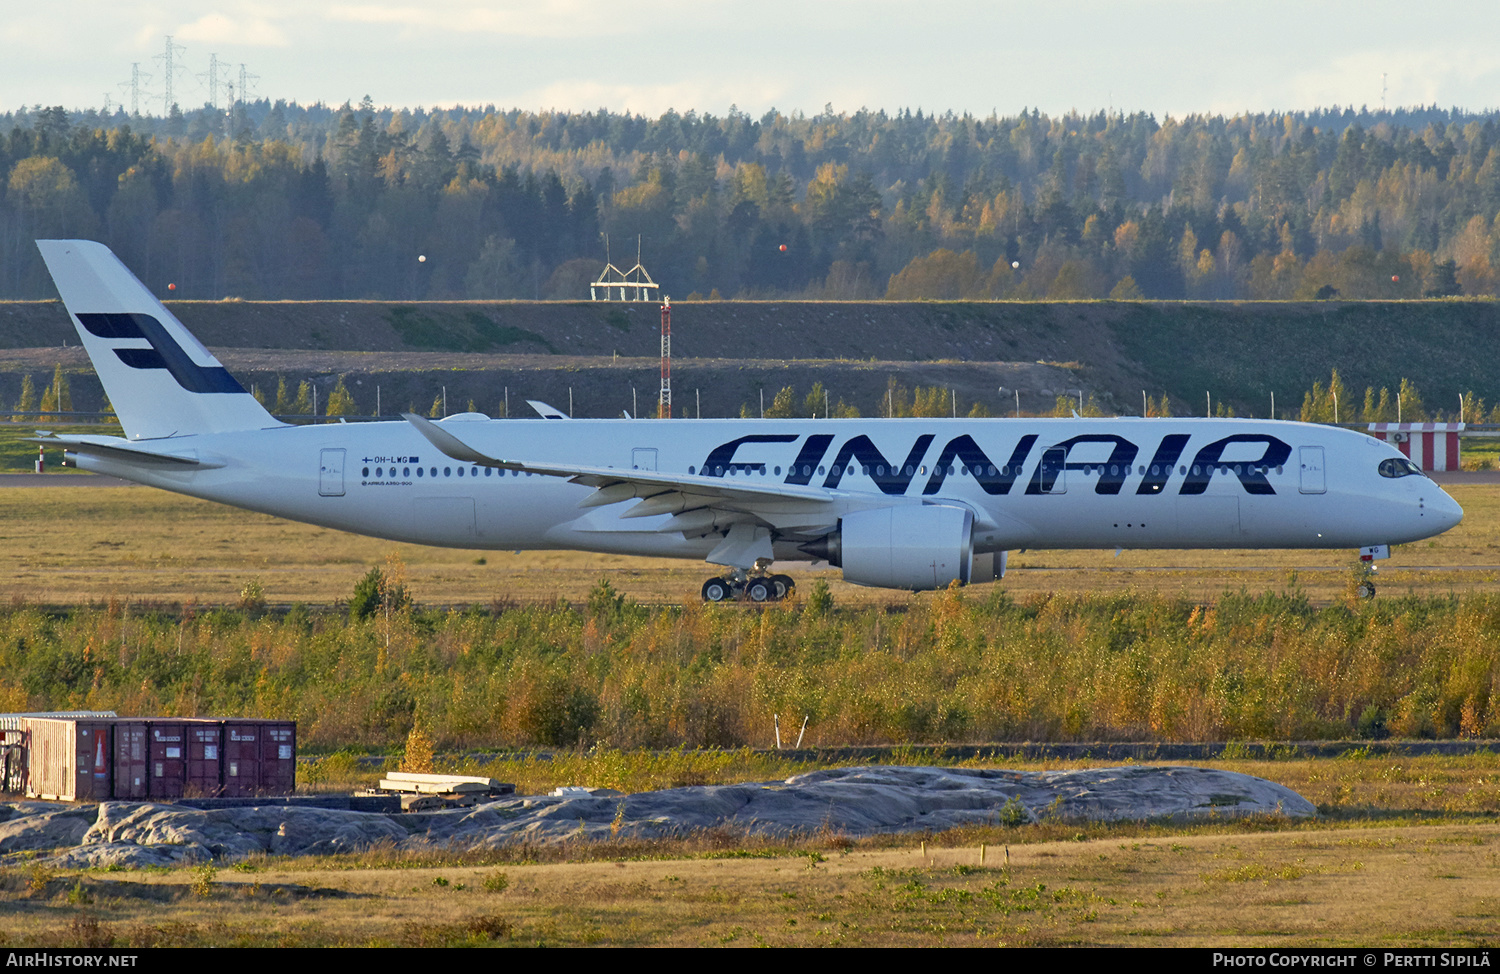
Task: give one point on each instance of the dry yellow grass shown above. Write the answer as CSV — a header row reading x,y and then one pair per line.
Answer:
x,y
1372,887
1344,882
67,545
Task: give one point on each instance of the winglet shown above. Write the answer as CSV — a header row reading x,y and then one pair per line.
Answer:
x,y
451,445
545,411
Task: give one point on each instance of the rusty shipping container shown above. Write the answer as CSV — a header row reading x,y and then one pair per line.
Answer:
x,y
130,779
260,757
278,758
205,763
168,758
98,758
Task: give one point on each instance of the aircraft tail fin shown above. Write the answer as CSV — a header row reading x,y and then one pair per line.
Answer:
x,y
159,378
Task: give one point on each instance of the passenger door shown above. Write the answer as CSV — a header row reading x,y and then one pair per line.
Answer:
x,y
331,473
1313,480
1054,471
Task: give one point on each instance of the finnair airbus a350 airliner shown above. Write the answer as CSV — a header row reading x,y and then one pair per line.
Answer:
x,y
896,503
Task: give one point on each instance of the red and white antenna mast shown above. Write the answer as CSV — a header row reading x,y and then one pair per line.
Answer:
x,y
664,404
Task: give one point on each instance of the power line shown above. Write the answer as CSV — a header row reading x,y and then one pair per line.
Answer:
x,y
170,67
245,80
214,84
134,87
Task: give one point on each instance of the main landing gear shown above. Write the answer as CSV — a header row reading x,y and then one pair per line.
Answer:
x,y
740,585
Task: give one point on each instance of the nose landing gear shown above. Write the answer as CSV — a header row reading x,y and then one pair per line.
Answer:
x,y
1362,575
740,585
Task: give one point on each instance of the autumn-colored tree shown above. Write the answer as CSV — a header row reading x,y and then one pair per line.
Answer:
x,y
1409,403
57,398
303,405
26,405
340,202
1330,405
941,275
283,398
341,401
784,405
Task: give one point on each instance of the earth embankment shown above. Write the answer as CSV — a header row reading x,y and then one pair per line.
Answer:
x,y
1240,352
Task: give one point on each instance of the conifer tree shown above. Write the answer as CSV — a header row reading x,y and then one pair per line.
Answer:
x,y
302,405
816,403
57,397
784,405
26,405
341,401
1410,401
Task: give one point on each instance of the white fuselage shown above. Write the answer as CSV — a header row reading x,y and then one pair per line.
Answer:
x,y
1106,483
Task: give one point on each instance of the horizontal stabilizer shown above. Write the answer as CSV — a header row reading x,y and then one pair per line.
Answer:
x,y
123,451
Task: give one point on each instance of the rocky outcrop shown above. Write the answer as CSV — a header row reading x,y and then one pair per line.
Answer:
x,y
866,801
32,826
848,801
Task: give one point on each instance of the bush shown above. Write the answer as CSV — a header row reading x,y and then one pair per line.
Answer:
x,y
820,599
558,713
604,603
366,599
371,594
253,596
419,752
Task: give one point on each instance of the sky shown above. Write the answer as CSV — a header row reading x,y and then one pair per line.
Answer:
x,y
1166,57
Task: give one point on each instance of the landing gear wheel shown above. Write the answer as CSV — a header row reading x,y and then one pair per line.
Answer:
x,y
782,586
760,590
716,590
1366,590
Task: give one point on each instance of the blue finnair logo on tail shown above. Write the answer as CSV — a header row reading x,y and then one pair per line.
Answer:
x,y
164,352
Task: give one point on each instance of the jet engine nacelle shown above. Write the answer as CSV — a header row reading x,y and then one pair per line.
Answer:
x,y
988,567
913,548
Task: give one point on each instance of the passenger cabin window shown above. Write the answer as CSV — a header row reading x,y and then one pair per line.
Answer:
x,y
1400,467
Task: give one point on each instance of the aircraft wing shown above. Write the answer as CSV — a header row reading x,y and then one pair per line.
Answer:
x,y
700,503
119,449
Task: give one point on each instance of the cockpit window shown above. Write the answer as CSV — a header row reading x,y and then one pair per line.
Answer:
x,y
1400,467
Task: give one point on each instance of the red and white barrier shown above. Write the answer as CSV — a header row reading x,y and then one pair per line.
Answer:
x,y
1431,446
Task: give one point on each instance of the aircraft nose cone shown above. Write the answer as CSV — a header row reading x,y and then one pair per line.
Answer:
x,y
1444,510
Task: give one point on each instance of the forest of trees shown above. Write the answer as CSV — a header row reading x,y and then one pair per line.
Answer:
x,y
278,200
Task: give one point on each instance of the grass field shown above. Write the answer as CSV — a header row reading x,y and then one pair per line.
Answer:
x,y
1405,853
67,545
